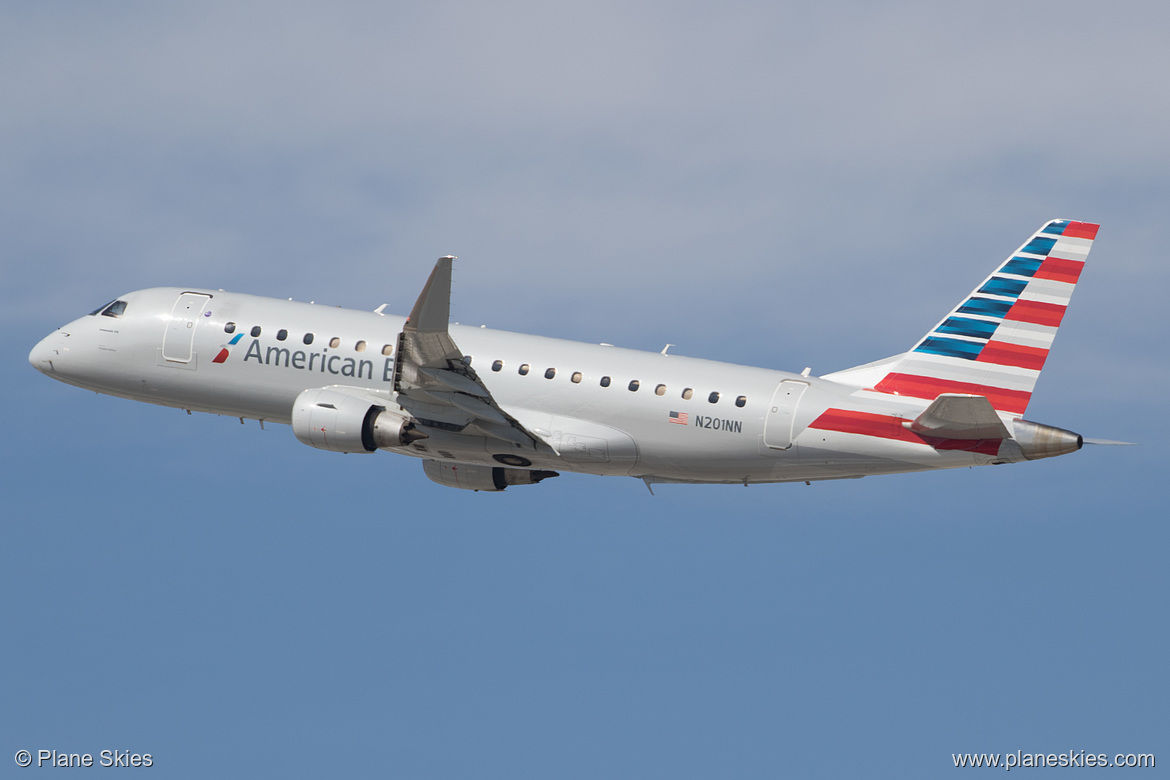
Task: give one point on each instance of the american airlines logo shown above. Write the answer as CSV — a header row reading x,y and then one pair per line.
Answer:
x,y
223,353
307,360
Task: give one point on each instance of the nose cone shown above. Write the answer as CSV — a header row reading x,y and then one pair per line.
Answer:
x,y
42,355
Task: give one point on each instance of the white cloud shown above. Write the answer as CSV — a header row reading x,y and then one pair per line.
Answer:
x,y
651,167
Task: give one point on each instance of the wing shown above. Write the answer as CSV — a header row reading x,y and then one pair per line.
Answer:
x,y
435,382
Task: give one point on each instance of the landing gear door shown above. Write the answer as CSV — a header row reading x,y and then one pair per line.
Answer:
x,y
178,341
782,414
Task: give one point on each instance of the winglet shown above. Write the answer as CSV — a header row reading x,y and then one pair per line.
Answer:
x,y
432,310
435,384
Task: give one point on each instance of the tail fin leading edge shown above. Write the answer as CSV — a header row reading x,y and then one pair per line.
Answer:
x,y
996,340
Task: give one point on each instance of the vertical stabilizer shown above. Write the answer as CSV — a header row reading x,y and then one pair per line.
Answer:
x,y
996,340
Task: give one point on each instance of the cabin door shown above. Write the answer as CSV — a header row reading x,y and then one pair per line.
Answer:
x,y
781,414
179,339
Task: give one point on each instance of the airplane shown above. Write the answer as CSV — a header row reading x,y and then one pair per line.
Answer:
x,y
486,409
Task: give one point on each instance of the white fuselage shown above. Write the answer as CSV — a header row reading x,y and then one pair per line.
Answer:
x,y
688,420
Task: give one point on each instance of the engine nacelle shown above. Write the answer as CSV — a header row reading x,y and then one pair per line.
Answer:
x,y
467,476
344,420
1044,441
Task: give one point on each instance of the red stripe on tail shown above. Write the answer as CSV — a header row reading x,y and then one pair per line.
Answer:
x,y
1036,312
1013,401
1004,354
1061,270
1081,230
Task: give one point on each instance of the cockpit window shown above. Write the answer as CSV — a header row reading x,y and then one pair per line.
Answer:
x,y
111,309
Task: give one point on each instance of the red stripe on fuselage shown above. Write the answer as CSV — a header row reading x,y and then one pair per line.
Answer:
x,y
887,427
1013,401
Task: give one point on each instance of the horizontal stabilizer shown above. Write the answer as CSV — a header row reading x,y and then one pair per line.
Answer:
x,y
955,416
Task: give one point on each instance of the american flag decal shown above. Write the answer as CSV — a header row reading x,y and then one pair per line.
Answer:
x,y
679,417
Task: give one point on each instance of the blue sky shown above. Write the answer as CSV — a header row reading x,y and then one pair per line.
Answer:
x,y
767,184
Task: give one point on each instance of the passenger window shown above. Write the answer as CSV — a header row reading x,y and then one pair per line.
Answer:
x,y
308,338
281,334
334,342
229,328
687,394
360,346
576,378
550,373
255,331
388,350
524,370
634,385
660,390
741,401
605,381
498,365
713,398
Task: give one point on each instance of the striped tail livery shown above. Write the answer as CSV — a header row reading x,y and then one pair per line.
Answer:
x,y
995,341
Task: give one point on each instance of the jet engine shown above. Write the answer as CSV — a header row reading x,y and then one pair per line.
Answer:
x,y
467,476
346,420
